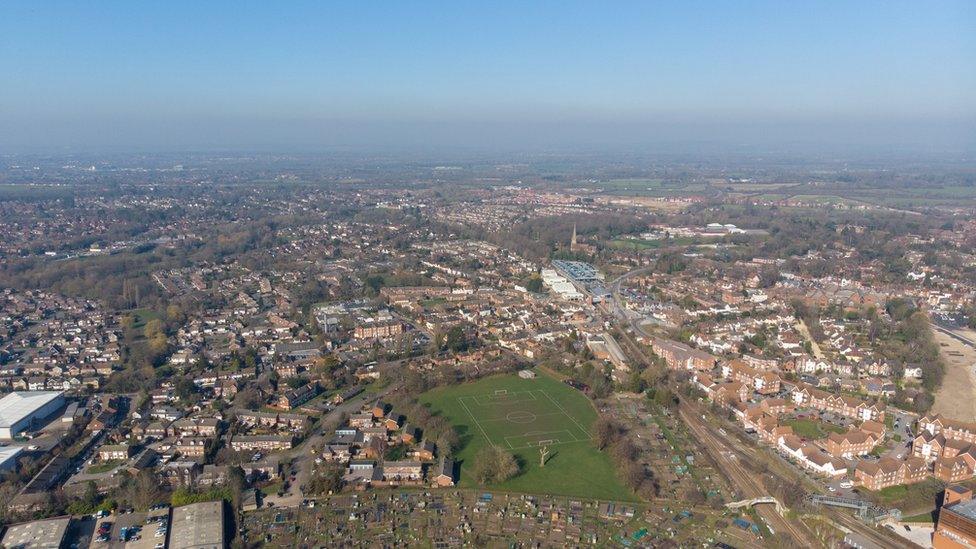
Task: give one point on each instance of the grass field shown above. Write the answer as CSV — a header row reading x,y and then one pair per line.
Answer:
x,y
520,415
811,429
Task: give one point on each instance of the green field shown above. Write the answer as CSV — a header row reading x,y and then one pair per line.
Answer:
x,y
142,316
812,429
520,415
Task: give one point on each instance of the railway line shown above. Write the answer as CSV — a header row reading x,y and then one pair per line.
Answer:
x,y
745,481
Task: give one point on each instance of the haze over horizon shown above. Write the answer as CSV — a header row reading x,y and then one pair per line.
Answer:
x,y
875,76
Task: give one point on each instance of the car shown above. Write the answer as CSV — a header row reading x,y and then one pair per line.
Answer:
x,y
159,534
159,545
847,484
104,538
831,489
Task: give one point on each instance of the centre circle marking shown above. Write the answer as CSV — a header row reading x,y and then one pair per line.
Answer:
x,y
520,416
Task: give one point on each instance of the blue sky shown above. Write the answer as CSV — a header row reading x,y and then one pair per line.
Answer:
x,y
210,74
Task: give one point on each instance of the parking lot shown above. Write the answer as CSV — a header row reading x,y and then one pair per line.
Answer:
x,y
140,528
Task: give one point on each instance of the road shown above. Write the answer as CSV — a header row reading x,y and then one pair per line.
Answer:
x,y
728,455
954,335
303,458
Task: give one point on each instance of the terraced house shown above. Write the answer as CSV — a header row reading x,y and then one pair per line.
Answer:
x,y
848,406
876,475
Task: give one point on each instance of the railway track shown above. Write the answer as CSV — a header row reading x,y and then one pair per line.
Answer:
x,y
880,536
745,481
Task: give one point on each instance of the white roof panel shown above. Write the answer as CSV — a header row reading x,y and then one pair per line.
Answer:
x,y
20,404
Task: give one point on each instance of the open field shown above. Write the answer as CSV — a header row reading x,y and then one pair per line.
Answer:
x,y
520,416
811,429
956,398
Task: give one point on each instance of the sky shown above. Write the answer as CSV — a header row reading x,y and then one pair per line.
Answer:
x,y
121,76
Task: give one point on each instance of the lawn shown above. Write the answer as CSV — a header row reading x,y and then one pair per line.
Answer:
x,y
142,316
520,415
911,497
811,429
103,467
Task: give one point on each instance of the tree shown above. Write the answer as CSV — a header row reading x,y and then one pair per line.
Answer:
x,y
492,465
153,328
185,388
456,340
606,431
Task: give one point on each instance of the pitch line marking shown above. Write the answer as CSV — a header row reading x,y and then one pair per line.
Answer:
x,y
573,419
465,406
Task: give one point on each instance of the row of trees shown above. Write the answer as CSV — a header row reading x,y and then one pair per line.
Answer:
x,y
617,442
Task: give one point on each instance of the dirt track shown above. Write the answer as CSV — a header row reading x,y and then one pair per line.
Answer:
x,y
957,396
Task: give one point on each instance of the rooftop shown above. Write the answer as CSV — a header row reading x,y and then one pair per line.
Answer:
x,y
48,533
966,509
20,404
198,526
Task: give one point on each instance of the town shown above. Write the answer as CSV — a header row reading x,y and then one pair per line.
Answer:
x,y
177,379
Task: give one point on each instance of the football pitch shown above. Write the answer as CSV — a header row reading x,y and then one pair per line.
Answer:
x,y
523,416
523,419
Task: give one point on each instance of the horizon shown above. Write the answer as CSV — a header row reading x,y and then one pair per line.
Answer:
x,y
759,78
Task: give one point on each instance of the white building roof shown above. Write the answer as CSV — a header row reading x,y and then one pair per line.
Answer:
x,y
9,452
20,404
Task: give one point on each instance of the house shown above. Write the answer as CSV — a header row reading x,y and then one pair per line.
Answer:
x,y
876,475
850,444
957,468
410,435
402,470
296,397
425,452
445,473
928,446
180,473
113,452
261,442
198,426
192,447
679,356
361,421
951,429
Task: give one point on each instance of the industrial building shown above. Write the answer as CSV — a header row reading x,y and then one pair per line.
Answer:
x,y
198,526
37,534
560,285
21,410
577,271
8,458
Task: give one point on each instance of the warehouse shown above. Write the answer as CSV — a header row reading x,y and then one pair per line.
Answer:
x,y
8,458
37,534
20,410
198,526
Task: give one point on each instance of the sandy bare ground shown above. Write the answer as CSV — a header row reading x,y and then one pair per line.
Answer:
x,y
805,333
957,396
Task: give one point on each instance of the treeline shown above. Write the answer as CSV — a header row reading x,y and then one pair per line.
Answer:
x,y
617,441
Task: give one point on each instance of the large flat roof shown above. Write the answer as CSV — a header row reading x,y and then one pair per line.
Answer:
x,y
198,526
46,534
9,452
20,404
